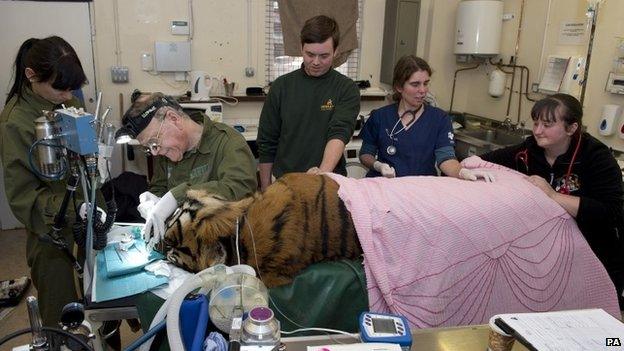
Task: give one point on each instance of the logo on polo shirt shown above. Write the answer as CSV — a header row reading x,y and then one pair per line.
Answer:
x,y
328,106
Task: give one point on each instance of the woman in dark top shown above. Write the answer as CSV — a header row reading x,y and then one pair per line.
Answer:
x,y
578,172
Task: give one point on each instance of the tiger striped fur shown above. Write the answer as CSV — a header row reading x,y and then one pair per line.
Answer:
x,y
297,221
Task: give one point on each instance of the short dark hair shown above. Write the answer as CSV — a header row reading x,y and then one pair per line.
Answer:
x,y
142,111
318,29
53,60
570,109
403,70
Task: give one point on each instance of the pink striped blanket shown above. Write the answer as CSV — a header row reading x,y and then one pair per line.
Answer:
x,y
446,252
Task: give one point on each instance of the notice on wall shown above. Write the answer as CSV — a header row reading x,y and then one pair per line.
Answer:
x,y
554,72
572,32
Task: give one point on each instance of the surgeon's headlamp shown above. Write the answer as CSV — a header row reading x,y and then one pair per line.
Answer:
x,y
133,125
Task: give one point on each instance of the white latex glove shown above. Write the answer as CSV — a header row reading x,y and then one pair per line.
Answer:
x,y
469,174
314,170
154,229
147,201
159,268
82,212
147,196
384,169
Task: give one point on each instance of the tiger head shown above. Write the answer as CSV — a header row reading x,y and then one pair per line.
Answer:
x,y
199,233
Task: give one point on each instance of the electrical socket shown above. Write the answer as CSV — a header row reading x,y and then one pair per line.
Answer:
x,y
508,16
179,76
119,74
249,72
535,87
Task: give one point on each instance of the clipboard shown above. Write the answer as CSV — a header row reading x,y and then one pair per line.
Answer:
x,y
591,329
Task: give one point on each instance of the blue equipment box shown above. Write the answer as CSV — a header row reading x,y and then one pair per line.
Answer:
x,y
78,131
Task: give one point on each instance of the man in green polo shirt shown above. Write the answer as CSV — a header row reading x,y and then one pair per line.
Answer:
x,y
309,114
211,156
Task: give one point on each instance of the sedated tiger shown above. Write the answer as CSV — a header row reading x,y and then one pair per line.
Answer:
x,y
299,220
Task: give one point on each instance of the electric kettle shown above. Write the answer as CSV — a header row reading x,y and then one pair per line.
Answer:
x,y
200,86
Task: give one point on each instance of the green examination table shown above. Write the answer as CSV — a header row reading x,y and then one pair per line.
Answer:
x,y
325,295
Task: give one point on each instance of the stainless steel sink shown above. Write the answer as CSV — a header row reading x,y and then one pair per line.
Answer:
x,y
498,137
479,141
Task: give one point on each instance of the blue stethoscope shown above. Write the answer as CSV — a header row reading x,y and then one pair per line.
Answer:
x,y
391,149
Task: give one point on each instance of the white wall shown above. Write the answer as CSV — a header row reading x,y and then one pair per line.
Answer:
x,y
221,40
219,46
220,43
536,33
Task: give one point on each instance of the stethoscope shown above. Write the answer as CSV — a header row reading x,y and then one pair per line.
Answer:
x,y
523,157
391,149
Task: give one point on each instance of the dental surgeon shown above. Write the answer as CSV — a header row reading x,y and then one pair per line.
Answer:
x,y
409,137
208,156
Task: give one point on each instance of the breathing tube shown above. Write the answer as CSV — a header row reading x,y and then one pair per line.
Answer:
x,y
100,229
205,280
148,335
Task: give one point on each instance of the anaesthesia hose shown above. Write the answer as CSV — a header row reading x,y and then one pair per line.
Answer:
x,y
207,275
148,335
206,281
171,308
173,311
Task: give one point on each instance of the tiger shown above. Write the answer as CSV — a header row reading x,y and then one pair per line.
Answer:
x,y
299,220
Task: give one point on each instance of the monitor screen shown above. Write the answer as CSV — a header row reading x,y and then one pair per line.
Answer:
x,y
384,325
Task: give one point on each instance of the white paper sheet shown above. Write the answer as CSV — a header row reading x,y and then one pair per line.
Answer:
x,y
566,330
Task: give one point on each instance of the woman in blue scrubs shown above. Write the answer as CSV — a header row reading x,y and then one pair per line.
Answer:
x,y
410,137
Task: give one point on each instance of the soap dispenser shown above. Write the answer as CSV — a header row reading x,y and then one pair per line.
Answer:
x,y
609,120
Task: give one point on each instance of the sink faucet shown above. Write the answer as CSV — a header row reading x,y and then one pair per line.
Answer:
x,y
507,124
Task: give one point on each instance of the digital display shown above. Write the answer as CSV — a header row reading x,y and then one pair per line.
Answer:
x,y
384,325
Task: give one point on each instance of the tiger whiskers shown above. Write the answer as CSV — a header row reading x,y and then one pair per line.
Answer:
x,y
237,249
253,243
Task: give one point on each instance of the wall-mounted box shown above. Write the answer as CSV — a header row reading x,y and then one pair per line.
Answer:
x,y
615,83
400,34
180,28
172,56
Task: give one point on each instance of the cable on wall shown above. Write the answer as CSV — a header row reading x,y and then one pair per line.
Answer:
x,y
249,70
117,39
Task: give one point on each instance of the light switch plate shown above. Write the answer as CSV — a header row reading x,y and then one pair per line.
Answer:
x,y
119,74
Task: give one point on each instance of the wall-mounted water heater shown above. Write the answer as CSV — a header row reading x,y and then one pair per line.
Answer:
x,y
479,27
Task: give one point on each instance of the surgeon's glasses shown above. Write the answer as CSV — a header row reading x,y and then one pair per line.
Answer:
x,y
152,145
